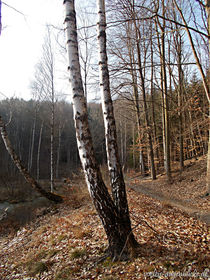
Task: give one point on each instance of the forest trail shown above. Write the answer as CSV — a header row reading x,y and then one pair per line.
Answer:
x,y
181,204
186,192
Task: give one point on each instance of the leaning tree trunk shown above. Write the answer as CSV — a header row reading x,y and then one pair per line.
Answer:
x,y
113,224
22,169
115,170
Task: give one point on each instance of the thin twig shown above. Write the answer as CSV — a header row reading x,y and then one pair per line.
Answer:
x,y
11,7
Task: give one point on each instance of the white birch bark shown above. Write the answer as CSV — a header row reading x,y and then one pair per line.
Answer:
x,y
105,207
115,170
117,181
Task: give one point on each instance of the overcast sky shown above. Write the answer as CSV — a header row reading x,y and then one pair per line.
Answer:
x,y
21,42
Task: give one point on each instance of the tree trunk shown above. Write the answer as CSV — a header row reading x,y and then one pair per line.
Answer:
x,y
134,145
38,153
22,169
52,136
114,225
32,142
156,151
136,103
180,97
115,170
165,117
58,151
208,165
148,128
208,80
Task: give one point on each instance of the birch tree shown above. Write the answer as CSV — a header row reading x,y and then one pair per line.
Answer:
x,y
117,233
115,170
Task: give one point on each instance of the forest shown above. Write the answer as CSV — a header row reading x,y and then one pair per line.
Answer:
x,y
109,177
29,131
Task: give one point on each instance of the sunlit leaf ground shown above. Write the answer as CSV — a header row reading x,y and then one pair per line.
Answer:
x,y
66,242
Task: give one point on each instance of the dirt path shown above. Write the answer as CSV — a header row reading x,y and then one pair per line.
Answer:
x,y
181,204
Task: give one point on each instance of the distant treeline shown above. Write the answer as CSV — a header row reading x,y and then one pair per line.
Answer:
x,y
29,130
28,127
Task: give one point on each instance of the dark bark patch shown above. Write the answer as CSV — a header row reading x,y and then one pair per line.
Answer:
x,y
102,34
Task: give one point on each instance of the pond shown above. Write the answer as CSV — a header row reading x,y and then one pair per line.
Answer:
x,y
22,212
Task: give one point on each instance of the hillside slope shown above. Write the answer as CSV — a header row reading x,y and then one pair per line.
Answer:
x,y
65,242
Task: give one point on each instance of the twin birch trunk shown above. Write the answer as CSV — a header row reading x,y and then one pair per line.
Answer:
x,y
105,206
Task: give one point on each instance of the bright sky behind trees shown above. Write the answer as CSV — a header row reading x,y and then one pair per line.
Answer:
x,y
21,42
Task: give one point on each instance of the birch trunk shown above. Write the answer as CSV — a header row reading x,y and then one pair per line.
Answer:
x,y
113,224
22,169
115,170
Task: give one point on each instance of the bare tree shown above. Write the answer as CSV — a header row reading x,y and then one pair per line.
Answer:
x,y
117,234
164,89
205,79
44,85
115,170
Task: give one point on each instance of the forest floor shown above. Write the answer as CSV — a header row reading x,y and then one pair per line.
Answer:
x,y
64,242
187,190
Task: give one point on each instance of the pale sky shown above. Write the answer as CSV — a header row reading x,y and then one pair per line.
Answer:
x,y
21,42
